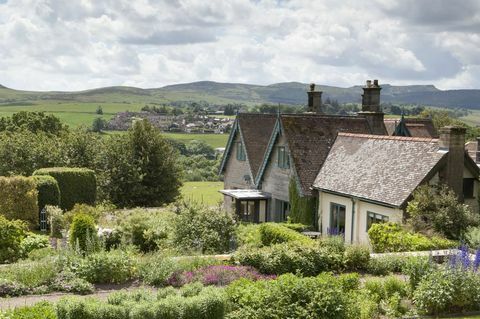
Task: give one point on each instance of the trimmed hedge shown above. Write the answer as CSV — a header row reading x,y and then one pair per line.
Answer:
x,y
77,185
391,237
18,199
48,191
271,233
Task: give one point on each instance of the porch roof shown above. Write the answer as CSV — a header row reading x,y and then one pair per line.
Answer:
x,y
245,193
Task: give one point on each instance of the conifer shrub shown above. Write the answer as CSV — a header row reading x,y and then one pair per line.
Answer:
x,y
77,185
48,191
18,199
83,234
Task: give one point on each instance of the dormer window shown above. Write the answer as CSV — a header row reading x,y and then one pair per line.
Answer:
x,y
283,158
241,152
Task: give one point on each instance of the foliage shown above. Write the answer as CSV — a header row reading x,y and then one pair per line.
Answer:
x,y
302,208
199,303
56,221
32,242
384,265
18,199
356,257
390,237
200,168
289,297
107,267
9,288
77,185
83,234
472,237
11,236
32,121
33,275
278,259
41,310
416,269
248,234
139,168
48,191
160,270
218,275
67,281
272,233
202,228
79,148
98,125
92,211
436,208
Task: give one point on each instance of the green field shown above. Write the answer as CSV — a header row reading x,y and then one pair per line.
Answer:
x,y
205,192
473,118
215,140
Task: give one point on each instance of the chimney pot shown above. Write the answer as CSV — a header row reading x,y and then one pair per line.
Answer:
x,y
375,82
369,83
312,87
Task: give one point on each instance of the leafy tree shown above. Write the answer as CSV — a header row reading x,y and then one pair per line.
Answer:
x,y
196,147
79,148
139,168
32,121
98,125
99,110
436,209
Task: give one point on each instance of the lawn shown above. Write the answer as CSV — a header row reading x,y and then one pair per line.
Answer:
x,y
206,192
215,140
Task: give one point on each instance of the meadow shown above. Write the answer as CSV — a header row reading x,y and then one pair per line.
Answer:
x,y
204,192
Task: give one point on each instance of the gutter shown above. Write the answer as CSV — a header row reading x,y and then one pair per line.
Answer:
x,y
353,219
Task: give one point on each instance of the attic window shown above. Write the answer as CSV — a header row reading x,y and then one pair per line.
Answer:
x,y
241,152
283,159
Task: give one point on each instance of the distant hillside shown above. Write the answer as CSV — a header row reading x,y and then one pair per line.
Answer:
x,y
223,93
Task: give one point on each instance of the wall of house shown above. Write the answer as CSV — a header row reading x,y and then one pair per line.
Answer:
x,y
235,172
360,215
276,180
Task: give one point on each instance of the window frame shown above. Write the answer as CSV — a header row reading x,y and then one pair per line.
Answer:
x,y
283,159
384,219
241,156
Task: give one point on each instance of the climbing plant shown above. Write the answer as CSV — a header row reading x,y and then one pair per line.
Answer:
x,y
302,208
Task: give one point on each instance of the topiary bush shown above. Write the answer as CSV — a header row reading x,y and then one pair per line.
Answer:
x,y
18,199
77,185
12,232
271,233
83,234
48,191
391,237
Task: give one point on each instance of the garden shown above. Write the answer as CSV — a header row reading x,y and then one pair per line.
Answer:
x,y
112,216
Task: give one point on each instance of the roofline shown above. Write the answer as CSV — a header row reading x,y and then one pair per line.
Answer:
x,y
371,201
228,147
268,151
388,137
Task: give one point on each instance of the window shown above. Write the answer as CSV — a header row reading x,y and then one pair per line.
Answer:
x,y
240,152
337,219
373,218
282,209
468,186
283,158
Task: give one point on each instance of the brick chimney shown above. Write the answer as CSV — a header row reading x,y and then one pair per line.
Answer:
x,y
452,139
314,100
371,108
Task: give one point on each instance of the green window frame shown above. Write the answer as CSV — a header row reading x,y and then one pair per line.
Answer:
x,y
241,156
283,160
374,218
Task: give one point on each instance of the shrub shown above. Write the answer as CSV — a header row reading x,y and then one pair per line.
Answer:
x,y
67,281
18,199
271,233
159,270
218,275
302,208
278,259
48,191
39,254
448,290
289,297
33,241
11,235
201,228
9,288
296,226
248,234
390,237
31,274
416,268
472,237
381,266
41,310
107,267
83,233
77,185
91,211
56,221
356,257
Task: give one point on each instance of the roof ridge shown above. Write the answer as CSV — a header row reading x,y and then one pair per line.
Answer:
x,y
388,137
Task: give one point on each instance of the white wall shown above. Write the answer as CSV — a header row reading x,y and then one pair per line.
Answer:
x,y
360,215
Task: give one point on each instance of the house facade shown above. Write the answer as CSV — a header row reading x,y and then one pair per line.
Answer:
x,y
268,154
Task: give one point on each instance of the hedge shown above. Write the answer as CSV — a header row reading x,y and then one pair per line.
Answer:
x,y
18,199
77,185
48,191
271,233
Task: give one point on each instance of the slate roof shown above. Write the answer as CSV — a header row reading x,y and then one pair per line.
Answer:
x,y
416,127
256,130
384,169
310,137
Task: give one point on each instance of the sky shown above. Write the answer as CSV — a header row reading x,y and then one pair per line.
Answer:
x,y
82,44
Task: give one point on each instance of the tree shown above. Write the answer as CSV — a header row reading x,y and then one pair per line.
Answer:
x,y
32,121
99,110
139,168
436,209
98,125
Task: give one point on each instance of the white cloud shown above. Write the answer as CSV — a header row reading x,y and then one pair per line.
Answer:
x,y
79,44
